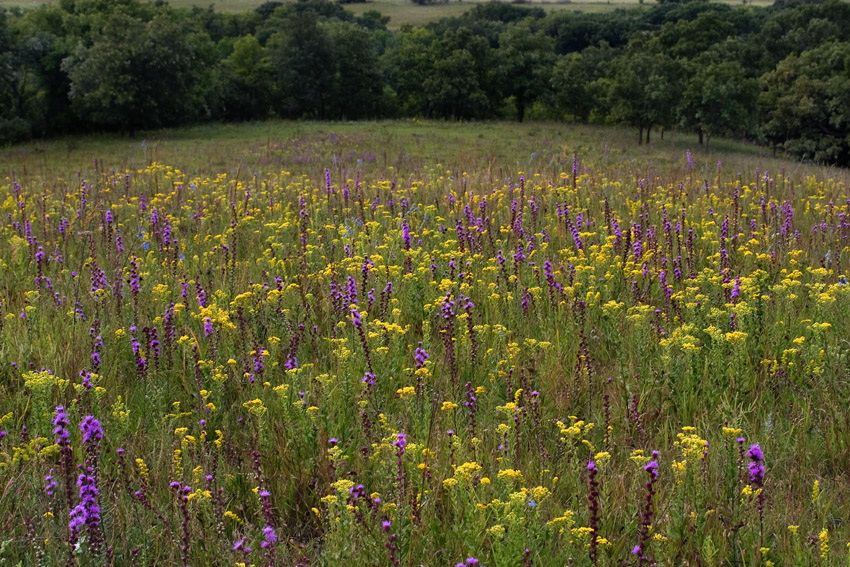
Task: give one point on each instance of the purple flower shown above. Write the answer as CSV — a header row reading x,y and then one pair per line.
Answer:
x,y
91,429
401,441
756,467
269,535
61,424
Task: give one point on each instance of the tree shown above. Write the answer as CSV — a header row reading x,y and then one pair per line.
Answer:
x,y
576,82
525,60
303,56
645,88
719,99
407,64
137,75
248,81
357,83
805,103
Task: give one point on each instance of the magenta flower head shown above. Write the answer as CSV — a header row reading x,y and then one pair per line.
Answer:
x,y
756,466
269,537
386,525
591,466
401,441
92,431
61,424
471,561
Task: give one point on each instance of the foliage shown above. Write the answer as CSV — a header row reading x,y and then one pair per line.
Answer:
x,y
71,67
806,100
136,74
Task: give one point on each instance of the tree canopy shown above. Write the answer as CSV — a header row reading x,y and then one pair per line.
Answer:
x,y
776,75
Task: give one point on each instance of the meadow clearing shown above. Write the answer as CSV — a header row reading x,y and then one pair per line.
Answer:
x,y
419,343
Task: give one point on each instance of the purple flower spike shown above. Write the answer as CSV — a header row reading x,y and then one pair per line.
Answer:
x,y
92,431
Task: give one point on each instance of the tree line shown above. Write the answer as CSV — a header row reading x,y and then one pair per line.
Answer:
x,y
778,75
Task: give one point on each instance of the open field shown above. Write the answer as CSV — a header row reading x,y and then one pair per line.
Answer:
x,y
402,12
416,343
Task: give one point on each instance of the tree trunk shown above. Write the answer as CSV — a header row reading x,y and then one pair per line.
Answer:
x,y
699,133
640,135
520,110
707,141
648,130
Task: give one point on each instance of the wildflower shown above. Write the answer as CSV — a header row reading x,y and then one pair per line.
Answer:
x,y
823,537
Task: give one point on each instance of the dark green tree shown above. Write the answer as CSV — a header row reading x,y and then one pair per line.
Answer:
x,y
805,103
357,90
137,75
407,63
525,59
645,88
303,56
578,87
719,99
248,85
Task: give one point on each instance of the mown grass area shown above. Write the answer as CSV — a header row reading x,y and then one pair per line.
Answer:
x,y
419,343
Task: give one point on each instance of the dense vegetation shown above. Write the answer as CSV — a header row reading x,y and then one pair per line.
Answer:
x,y
777,75
608,358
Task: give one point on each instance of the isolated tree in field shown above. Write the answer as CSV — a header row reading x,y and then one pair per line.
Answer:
x,y
137,74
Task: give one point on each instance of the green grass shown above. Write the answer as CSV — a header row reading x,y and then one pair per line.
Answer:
x,y
557,276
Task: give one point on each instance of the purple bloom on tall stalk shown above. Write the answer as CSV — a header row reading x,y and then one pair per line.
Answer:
x,y
400,443
756,470
593,508
92,431
646,518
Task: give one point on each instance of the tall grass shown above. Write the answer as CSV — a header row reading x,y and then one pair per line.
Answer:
x,y
421,344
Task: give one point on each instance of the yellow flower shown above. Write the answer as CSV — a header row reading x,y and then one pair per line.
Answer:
x,y
406,392
467,470
447,406
823,536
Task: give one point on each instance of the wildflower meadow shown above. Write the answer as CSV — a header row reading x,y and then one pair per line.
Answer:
x,y
427,345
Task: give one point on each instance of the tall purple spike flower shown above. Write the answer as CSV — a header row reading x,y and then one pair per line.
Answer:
x,y
756,470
